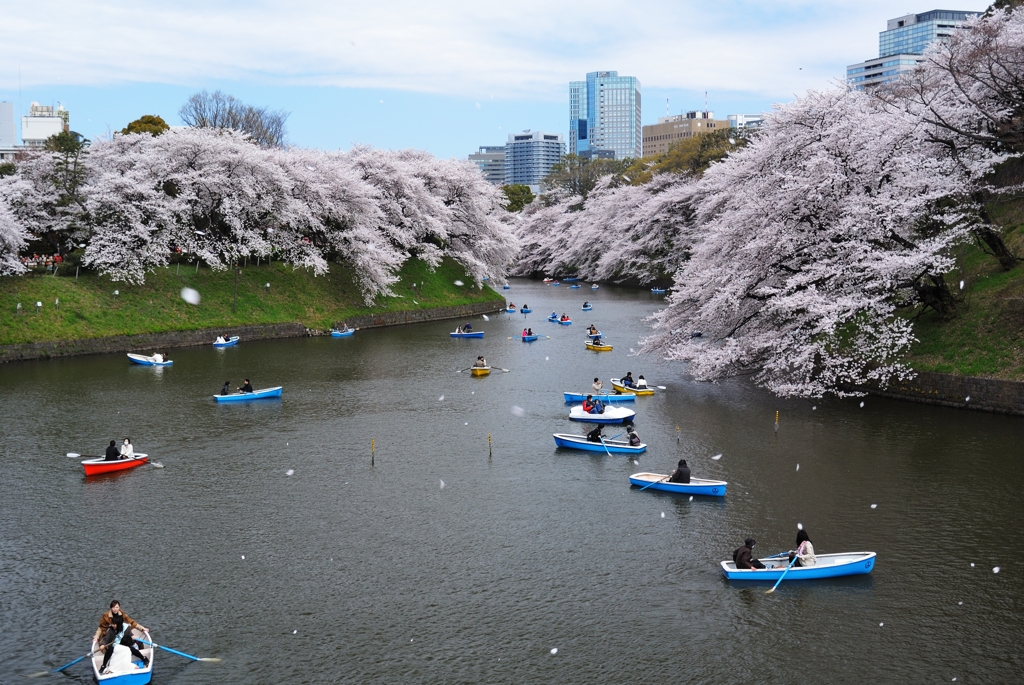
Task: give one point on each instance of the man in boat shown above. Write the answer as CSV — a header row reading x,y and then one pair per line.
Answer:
x,y
627,380
226,390
634,439
565,317
597,385
681,474
115,627
586,304
468,328
595,435
592,330
588,404
127,451
112,453
480,363
247,387
529,331
744,556
554,315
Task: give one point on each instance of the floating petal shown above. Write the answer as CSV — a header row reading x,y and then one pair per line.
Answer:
x,y
289,472
995,569
442,485
799,526
874,506
188,294
518,411
716,457
459,283
554,650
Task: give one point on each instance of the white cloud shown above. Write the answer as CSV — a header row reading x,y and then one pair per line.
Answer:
x,y
460,47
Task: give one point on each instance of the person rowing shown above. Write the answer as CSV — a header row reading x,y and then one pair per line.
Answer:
x,y
468,328
480,363
595,435
112,453
744,557
554,315
529,331
116,628
586,304
681,474
247,387
627,380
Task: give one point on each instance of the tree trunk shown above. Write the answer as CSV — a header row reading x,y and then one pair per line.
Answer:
x,y
234,301
935,295
994,241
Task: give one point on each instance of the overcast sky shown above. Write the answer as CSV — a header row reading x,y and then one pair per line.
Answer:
x,y
446,77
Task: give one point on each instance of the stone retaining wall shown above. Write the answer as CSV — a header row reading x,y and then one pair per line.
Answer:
x,y
986,394
164,341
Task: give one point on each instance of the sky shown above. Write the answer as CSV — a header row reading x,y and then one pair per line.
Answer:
x,y
444,77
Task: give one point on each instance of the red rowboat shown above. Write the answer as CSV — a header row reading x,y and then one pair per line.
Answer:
x,y
94,467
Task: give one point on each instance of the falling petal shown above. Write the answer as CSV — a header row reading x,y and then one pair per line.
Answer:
x,y
442,485
486,318
662,514
555,650
295,632
716,457
459,283
814,408
972,564
441,398
631,351
289,472
995,569
799,526
968,399
691,498
188,294
798,467
243,557
546,358
959,603
861,404
874,506
518,411
466,424
473,392
961,288
880,625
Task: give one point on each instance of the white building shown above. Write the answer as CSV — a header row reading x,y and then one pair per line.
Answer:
x,y
490,159
745,120
41,123
8,136
529,157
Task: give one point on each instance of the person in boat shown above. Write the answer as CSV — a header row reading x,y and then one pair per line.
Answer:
x,y
226,390
554,315
480,363
627,380
586,304
511,306
468,328
681,474
529,331
526,306
595,435
127,450
220,339
458,329
634,439
597,385
112,452
589,405
247,387
115,628
641,383
565,317
157,357
525,332
596,340
744,556
804,551
592,330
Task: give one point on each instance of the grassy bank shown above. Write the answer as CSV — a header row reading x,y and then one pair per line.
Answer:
x,y
985,336
89,309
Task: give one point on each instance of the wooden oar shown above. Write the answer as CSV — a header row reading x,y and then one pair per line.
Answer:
x,y
76,455
461,370
792,561
500,369
655,482
174,651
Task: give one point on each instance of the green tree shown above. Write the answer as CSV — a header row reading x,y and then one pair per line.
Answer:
x,y
64,207
147,123
517,196
688,156
7,169
578,175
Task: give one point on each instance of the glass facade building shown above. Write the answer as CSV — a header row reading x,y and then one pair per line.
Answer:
x,y
604,116
530,155
490,159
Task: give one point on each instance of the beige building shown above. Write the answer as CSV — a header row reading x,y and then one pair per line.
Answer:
x,y
660,136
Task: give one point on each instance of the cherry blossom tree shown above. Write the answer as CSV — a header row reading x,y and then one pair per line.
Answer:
x,y
12,235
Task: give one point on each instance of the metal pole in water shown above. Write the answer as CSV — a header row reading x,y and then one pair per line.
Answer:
x,y
373,448
776,422
490,447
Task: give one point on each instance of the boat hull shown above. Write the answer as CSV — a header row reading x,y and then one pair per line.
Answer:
x,y
696,486
610,415
595,335
826,566
506,287
480,371
598,348
526,310
230,342
343,334
123,671
657,291
580,442
143,360
530,338
575,287
594,287
605,397
510,310
566,323
95,467
586,309
261,394
474,334
617,384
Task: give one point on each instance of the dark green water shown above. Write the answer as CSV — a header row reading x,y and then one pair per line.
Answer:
x,y
379,574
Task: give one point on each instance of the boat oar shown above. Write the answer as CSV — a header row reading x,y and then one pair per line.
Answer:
x,y
792,561
174,651
461,370
500,369
67,665
654,483
605,446
76,455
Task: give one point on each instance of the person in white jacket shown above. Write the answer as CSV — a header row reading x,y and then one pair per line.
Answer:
x,y
127,451
804,552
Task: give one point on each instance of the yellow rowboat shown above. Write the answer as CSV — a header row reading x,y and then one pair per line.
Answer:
x,y
617,384
480,370
598,347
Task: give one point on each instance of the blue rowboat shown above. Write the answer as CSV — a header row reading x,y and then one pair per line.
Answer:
x,y
526,310
825,566
605,397
123,669
594,286
658,291
575,287
595,335
570,280
696,486
247,396
148,361
553,319
553,283
567,322
510,310
580,442
587,308
342,334
610,415
506,287
530,338
233,340
473,334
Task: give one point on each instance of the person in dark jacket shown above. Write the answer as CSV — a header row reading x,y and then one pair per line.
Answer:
x,y
112,453
595,435
247,387
744,556
681,474
634,439
226,390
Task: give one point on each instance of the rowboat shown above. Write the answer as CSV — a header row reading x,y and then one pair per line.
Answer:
x,y
696,486
574,287
594,335
617,384
548,280
473,334
233,340
570,280
580,442
480,370
598,346
94,467
246,396
567,322
586,308
553,319
658,291
605,397
825,566
526,310
594,286
148,361
122,669
510,310
610,415
530,338
553,283
506,287
342,334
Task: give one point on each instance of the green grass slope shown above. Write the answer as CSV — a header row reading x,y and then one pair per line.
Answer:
x,y
89,309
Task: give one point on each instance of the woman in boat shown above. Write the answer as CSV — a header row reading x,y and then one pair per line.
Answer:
x,y
641,383
597,385
744,557
804,551
247,387
565,317
627,380
220,339
681,474
592,330
480,363
526,332
157,357
529,331
115,627
112,453
458,329
226,390
127,451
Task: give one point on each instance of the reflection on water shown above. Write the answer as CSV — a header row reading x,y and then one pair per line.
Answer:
x,y
360,573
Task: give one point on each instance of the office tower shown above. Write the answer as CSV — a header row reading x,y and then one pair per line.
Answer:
x,y
604,116
901,45
745,120
530,155
659,137
41,123
8,136
491,161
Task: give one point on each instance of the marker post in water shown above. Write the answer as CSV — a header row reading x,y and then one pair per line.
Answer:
x,y
776,422
373,449
490,447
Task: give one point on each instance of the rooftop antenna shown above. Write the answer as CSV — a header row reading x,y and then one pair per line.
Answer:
x,y
705,104
666,107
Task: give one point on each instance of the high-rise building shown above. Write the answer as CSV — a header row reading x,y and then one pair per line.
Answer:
x,y
41,123
491,161
659,137
530,155
604,116
745,120
8,136
901,45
